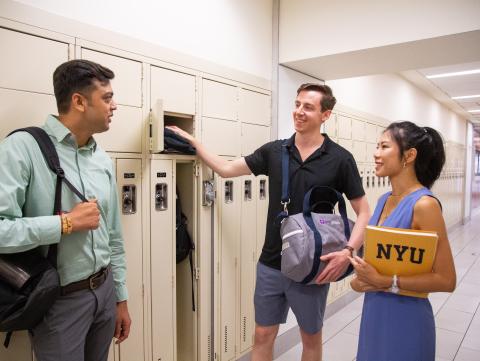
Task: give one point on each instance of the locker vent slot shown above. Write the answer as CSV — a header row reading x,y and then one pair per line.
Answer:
x,y
209,348
226,339
244,331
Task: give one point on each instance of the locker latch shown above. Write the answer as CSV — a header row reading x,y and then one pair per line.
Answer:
x,y
263,189
208,193
161,196
129,199
248,190
228,191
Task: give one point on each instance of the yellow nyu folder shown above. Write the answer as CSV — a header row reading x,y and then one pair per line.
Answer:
x,y
403,252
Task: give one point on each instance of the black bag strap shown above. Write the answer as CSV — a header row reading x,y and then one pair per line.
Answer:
x,y
51,157
183,219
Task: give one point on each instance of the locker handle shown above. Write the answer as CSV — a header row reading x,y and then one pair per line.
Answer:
x,y
161,196
129,199
228,191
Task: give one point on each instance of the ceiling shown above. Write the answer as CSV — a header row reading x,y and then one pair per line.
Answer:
x,y
459,85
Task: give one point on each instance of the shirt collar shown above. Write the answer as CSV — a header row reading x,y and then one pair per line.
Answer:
x,y
61,133
323,148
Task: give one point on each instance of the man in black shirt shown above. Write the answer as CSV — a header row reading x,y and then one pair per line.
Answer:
x,y
314,160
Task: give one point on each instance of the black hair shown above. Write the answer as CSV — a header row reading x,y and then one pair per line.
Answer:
x,y
76,76
429,145
328,100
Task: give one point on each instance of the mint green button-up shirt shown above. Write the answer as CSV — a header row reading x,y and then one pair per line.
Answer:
x,y
27,193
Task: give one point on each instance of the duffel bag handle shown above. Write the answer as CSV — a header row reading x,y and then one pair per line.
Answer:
x,y
307,209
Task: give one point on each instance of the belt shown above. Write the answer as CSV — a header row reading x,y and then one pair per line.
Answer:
x,y
91,283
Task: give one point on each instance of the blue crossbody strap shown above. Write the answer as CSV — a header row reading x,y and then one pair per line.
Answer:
x,y
285,200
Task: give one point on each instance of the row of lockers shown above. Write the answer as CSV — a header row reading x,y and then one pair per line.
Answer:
x,y
202,106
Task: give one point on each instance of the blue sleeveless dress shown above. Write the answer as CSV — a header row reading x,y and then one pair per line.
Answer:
x,y
394,327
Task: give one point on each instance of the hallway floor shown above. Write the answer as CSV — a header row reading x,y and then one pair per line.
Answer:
x,y
457,315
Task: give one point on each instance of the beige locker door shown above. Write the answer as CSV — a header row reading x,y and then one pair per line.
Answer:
x,y
330,126
347,144
344,125
19,348
253,137
204,251
221,137
219,100
176,90
358,129
18,52
359,150
229,208
248,236
162,259
371,148
125,133
127,84
371,133
15,114
254,108
380,130
129,183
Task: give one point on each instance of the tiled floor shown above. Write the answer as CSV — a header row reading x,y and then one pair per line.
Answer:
x,y
457,315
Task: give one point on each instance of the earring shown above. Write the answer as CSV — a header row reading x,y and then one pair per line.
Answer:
x,y
404,164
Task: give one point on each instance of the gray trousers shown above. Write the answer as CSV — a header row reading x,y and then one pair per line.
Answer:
x,y
78,327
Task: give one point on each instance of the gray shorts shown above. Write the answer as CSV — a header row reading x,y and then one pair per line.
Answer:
x,y
275,294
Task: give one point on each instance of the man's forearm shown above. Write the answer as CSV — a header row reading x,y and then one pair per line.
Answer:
x,y
358,231
213,161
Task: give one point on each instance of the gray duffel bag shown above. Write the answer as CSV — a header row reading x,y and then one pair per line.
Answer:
x,y
308,235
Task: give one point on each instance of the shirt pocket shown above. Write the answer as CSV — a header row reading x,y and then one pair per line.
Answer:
x,y
100,188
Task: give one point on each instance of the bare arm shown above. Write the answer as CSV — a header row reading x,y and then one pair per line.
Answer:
x,y
223,167
427,216
362,210
338,261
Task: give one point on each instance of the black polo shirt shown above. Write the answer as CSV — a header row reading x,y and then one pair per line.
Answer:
x,y
330,165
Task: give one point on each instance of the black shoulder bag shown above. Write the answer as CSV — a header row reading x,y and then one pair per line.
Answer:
x,y
29,282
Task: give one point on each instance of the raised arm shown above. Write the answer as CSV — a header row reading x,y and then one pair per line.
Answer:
x,y
223,167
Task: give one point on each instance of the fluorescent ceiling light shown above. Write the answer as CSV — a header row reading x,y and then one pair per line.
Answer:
x,y
474,111
467,97
457,73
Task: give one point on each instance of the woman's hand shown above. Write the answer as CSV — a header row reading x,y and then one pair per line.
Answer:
x,y
368,274
361,286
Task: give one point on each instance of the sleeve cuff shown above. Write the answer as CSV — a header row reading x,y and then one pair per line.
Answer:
x,y
51,229
121,292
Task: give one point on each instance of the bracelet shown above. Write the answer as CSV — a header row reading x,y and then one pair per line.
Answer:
x,y
351,249
63,224
67,226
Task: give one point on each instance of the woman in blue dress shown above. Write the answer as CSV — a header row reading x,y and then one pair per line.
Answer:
x,y
396,327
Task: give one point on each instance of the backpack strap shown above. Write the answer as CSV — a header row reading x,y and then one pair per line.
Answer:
x,y
285,200
51,157
8,336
